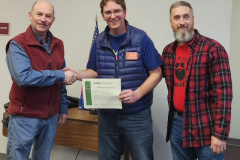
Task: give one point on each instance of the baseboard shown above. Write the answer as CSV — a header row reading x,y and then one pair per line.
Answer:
x,y
2,156
233,149
233,141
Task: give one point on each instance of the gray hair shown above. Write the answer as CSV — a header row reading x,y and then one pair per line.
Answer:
x,y
180,3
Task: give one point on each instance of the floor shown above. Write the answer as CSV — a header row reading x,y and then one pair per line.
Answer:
x,y
232,153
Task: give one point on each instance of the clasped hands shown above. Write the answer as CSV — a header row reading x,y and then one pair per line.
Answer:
x,y
70,75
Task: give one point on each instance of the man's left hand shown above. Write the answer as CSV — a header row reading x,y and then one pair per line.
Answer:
x,y
129,96
217,145
62,119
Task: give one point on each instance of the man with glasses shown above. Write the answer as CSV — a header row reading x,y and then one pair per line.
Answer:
x,y
197,73
123,51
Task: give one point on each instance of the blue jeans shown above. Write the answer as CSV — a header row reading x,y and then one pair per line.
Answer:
x,y
135,129
23,132
190,153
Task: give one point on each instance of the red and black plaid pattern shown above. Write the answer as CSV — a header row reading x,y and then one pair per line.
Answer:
x,y
207,107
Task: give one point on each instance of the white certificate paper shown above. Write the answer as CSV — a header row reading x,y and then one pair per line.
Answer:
x,y
102,93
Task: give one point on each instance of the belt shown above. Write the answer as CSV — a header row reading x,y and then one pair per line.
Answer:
x,y
179,113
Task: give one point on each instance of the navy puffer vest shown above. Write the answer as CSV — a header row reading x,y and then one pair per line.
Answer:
x,y
132,72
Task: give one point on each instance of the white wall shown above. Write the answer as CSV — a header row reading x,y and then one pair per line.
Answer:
x,y
74,24
234,64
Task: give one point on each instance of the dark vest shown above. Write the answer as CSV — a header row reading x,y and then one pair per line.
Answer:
x,y
132,72
38,102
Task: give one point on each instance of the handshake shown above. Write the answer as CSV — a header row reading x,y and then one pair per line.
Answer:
x,y
70,75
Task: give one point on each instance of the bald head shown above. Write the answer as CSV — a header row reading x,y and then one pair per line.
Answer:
x,y
42,2
42,18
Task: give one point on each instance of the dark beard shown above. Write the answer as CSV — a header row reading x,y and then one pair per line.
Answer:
x,y
180,74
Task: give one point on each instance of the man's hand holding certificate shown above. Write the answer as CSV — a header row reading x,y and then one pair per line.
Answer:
x,y
102,93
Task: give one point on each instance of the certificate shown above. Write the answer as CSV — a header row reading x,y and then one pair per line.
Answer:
x,y
102,93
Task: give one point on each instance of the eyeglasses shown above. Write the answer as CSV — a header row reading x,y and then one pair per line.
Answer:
x,y
115,12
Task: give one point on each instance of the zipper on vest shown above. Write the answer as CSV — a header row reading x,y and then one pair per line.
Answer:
x,y
116,64
123,58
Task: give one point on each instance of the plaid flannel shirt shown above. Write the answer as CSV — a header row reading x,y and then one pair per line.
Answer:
x,y
207,106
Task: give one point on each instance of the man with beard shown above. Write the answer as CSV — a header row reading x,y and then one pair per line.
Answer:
x,y
197,73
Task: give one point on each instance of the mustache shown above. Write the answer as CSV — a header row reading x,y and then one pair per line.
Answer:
x,y
184,26
43,24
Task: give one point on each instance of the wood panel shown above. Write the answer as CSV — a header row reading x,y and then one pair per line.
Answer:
x,y
5,130
78,134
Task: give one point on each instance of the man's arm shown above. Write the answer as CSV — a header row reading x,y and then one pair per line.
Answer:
x,y
64,105
88,73
129,96
63,115
222,89
24,75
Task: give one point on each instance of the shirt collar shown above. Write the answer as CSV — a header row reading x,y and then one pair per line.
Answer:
x,y
47,45
40,40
